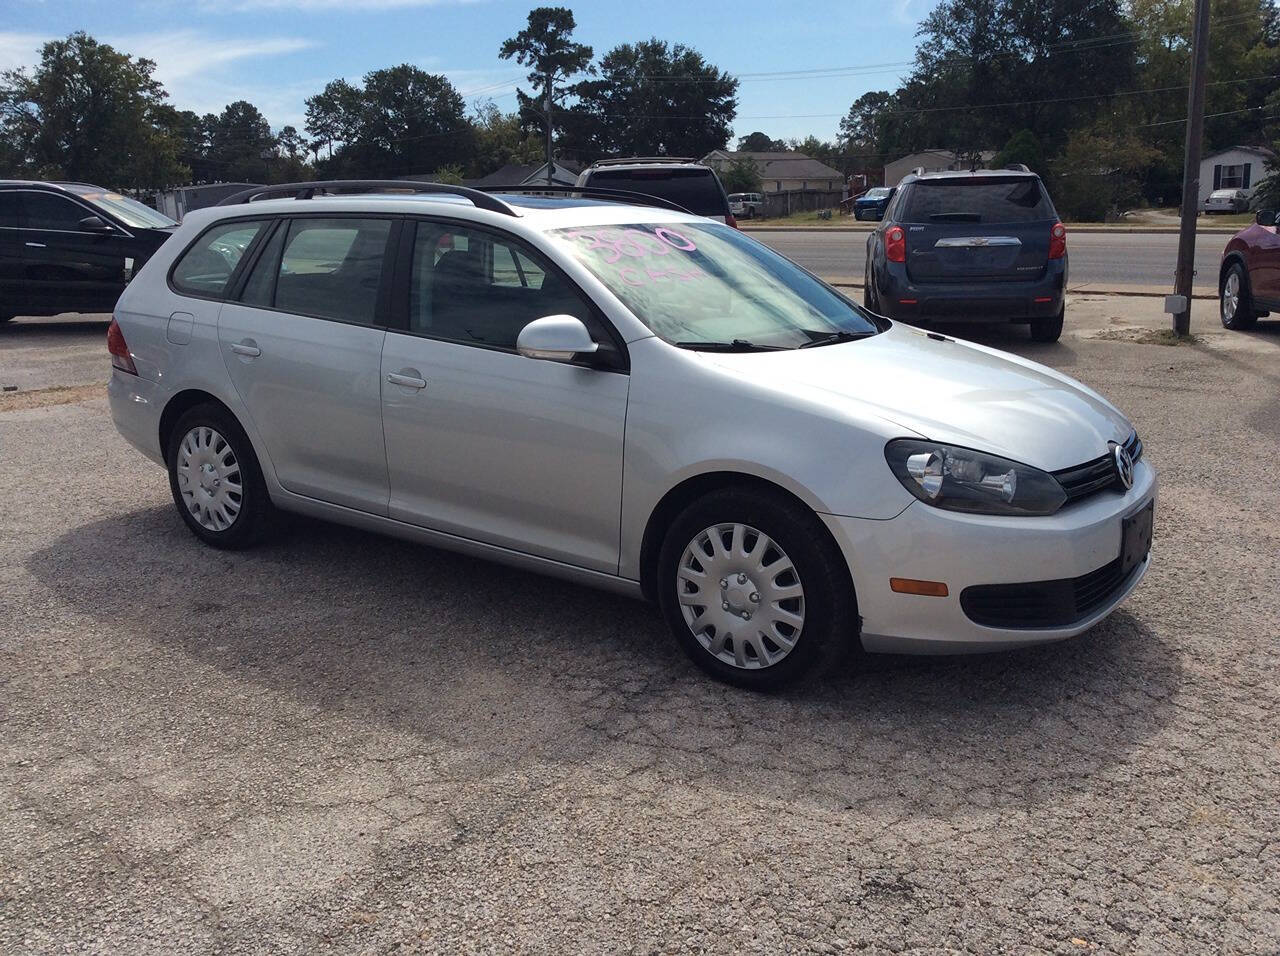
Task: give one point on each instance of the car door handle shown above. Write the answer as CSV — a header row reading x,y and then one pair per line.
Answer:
x,y
408,381
36,245
246,348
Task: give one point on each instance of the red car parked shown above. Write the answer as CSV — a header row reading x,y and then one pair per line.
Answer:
x,y
1249,280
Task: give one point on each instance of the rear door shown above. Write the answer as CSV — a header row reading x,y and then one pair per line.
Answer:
x,y
986,228
303,345
13,293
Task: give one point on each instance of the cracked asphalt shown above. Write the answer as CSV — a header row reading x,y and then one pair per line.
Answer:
x,y
343,743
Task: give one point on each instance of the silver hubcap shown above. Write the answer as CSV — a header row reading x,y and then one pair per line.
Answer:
x,y
209,478
1231,296
740,596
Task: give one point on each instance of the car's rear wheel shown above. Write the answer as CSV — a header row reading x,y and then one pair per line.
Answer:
x,y
1048,330
753,587
216,481
1236,303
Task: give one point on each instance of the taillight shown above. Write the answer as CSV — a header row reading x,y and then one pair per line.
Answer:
x,y
895,244
1057,241
731,221
120,357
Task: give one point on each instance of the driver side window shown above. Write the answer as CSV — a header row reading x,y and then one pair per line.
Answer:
x,y
472,287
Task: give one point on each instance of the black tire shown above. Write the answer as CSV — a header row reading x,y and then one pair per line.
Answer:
x,y
1245,315
255,516
1048,330
828,606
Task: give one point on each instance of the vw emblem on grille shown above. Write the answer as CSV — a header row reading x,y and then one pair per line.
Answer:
x,y
1124,465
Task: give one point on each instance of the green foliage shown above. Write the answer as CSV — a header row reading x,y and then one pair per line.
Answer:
x,y
652,99
741,176
758,142
546,46
88,112
499,140
1023,147
1100,173
450,175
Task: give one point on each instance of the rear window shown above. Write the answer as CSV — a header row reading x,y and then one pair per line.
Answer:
x,y
1020,199
697,190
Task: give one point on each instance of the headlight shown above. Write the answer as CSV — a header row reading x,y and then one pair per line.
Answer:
x,y
961,479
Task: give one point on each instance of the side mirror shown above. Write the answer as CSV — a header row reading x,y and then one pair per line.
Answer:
x,y
555,338
1266,217
96,224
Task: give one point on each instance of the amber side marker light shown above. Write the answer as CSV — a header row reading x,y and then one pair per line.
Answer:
x,y
912,586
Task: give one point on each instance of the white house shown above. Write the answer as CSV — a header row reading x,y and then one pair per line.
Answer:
x,y
1240,167
934,161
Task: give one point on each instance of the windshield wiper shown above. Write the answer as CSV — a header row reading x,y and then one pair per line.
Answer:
x,y
956,217
737,345
831,338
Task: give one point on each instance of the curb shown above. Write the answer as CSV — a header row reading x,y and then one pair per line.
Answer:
x,y
1071,230
843,282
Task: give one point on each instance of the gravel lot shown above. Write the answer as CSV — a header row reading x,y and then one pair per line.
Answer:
x,y
342,743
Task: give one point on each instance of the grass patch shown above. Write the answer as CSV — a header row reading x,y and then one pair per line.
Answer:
x,y
1147,337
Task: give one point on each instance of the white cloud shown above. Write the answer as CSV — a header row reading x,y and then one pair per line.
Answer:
x,y
181,55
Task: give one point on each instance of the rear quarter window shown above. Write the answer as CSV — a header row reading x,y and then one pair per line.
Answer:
x,y
205,269
1016,199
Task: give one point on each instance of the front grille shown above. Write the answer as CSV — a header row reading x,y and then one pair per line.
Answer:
x,y
1035,604
1097,475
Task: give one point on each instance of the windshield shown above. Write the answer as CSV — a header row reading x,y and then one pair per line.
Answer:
x,y
879,193
129,211
1017,199
707,284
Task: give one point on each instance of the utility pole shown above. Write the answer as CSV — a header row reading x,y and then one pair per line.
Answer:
x,y
547,110
1184,275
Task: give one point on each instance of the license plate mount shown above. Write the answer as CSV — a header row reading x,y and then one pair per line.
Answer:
x,y
1136,532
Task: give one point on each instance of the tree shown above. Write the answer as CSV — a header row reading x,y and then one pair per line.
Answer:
x,y
1100,172
400,122
741,176
241,145
863,131
1023,147
758,142
88,112
546,47
653,99
499,141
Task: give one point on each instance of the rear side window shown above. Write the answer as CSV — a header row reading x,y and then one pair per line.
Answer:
x,y
697,190
329,268
1016,199
9,208
206,267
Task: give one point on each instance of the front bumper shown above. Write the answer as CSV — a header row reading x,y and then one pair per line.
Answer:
x,y
136,406
964,550
978,300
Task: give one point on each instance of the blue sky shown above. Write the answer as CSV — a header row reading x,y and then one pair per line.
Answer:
x,y
275,53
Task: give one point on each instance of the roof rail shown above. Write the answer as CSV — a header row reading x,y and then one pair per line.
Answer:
x,y
338,186
1017,167
591,192
625,160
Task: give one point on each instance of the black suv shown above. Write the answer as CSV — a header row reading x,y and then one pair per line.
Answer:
x,y
970,247
71,247
688,183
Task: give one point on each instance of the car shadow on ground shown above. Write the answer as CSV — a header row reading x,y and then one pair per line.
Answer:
x,y
510,668
54,326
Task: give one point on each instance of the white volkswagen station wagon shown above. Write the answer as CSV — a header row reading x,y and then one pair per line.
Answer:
x,y
633,398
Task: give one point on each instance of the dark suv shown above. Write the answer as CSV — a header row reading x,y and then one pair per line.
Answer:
x,y
970,247
71,247
688,183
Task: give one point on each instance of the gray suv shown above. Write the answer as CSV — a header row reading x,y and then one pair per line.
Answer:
x,y
982,246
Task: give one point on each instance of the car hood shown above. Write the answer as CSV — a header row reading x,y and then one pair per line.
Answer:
x,y
948,390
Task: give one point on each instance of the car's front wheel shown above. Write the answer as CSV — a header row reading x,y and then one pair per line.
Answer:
x,y
754,588
1236,304
216,481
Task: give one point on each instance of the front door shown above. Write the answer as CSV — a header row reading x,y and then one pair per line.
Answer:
x,y
69,268
303,346
482,442
1264,266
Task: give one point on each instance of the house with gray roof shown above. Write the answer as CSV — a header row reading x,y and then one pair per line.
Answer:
x,y
787,171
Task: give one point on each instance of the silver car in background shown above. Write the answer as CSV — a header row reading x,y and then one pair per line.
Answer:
x,y
632,398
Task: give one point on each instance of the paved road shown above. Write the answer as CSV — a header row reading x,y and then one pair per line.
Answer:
x,y
339,743
1097,259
